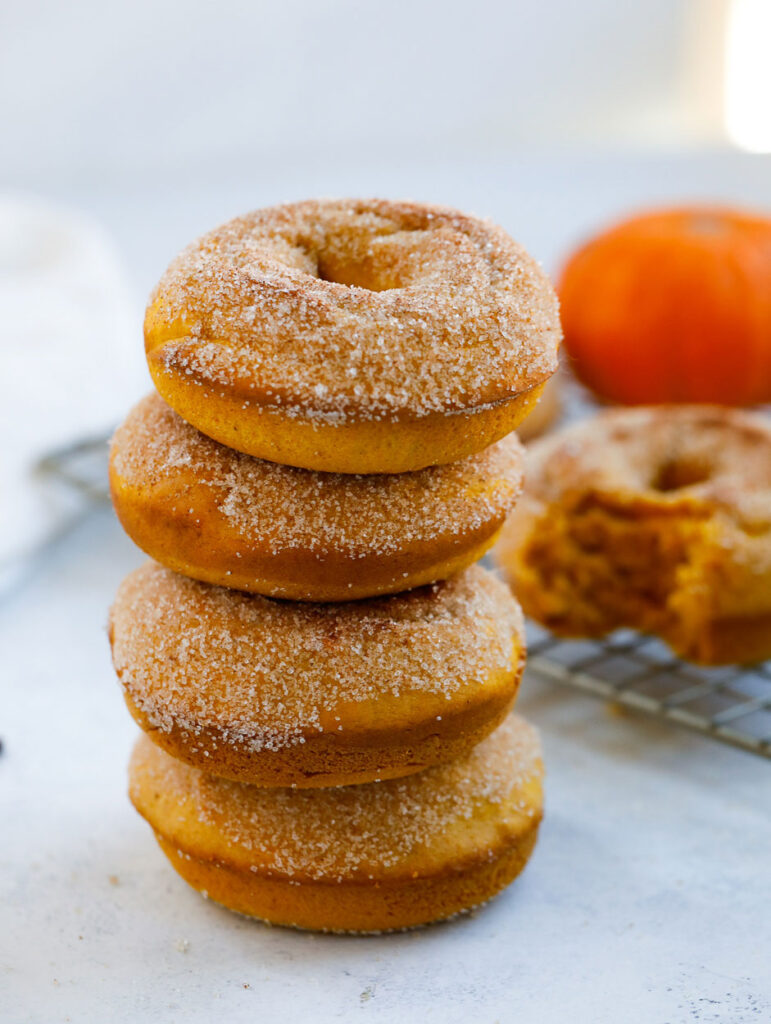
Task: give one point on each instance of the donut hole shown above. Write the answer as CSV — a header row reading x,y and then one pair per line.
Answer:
x,y
377,264
677,474
381,259
341,268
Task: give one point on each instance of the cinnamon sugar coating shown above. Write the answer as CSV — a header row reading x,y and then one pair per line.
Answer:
x,y
249,674
459,812
355,310
669,455
228,518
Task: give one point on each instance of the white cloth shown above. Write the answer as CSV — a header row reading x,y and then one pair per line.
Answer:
x,y
71,355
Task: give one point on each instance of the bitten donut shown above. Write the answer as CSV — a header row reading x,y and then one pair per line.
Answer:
x,y
353,336
217,515
277,693
371,858
653,518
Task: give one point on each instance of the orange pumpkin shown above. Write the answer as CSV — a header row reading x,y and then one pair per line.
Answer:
x,y
673,306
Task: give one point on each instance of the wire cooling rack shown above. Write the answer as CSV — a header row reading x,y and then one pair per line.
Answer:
x,y
731,704
81,466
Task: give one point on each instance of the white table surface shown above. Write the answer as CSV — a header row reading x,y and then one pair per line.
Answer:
x,y
647,899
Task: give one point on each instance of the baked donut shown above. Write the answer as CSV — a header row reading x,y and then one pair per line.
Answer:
x,y
277,693
371,858
545,412
217,515
353,336
653,518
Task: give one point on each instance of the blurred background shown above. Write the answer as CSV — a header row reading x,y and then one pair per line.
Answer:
x,y
164,89
130,128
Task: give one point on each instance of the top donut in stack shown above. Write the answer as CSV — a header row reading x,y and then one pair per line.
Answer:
x,y
353,336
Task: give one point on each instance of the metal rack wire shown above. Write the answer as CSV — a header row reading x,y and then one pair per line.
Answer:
x,y
81,466
71,480
731,704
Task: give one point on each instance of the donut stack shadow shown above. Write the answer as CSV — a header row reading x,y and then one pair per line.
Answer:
x,y
323,675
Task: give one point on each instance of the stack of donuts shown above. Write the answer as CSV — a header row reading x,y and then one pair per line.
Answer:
x,y
323,676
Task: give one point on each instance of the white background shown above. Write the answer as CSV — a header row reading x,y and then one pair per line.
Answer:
x,y
96,91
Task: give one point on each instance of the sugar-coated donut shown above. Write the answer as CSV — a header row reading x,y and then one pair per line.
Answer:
x,y
370,858
277,693
217,515
653,518
353,336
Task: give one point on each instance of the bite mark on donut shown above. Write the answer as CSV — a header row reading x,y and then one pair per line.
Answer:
x,y
654,519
